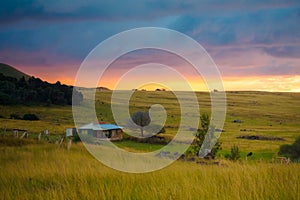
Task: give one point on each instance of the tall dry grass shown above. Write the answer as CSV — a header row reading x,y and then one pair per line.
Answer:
x,y
46,172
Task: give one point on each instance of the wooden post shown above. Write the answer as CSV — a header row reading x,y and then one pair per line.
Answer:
x,y
47,135
69,143
61,141
39,136
24,134
16,134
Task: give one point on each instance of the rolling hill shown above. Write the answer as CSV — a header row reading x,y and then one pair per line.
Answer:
x,y
18,88
8,70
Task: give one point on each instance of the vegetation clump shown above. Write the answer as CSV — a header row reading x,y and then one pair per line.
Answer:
x,y
35,91
30,117
27,116
200,136
292,151
234,153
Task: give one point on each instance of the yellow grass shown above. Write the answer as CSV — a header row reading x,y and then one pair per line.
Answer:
x,y
46,172
42,171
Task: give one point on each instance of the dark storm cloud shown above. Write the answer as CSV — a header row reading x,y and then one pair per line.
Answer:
x,y
53,32
122,10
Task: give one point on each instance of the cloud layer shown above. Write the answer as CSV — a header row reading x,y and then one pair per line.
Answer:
x,y
245,38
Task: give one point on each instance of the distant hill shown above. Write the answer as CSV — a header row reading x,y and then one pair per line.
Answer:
x,y
103,88
19,88
10,71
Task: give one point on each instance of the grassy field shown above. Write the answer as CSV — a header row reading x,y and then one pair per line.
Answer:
x,y
261,113
40,170
43,171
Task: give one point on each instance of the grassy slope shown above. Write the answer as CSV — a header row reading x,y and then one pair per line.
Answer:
x,y
12,72
272,114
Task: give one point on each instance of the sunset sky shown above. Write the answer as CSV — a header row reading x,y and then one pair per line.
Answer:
x,y
255,44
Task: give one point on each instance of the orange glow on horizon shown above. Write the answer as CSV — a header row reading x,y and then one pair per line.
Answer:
x,y
286,83
252,83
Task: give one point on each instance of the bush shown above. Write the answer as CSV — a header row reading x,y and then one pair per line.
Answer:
x,y
15,116
292,151
31,117
234,153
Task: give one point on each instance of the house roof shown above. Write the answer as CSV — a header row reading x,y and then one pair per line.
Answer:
x,y
99,127
109,126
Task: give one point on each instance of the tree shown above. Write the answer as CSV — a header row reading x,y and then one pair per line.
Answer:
x,y
35,91
292,151
201,134
234,153
141,119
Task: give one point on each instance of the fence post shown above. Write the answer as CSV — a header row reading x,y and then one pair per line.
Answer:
x,y
69,143
47,135
16,134
61,141
24,134
39,136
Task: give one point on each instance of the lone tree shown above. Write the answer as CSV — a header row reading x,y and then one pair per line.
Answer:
x,y
142,119
200,136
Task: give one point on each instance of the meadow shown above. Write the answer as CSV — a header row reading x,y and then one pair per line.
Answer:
x,y
39,170
43,171
261,113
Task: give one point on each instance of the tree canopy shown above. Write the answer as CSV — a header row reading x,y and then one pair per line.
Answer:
x,y
35,91
141,119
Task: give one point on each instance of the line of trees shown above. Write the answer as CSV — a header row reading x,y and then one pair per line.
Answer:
x,y
35,91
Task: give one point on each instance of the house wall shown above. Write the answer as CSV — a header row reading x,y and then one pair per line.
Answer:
x,y
85,131
114,134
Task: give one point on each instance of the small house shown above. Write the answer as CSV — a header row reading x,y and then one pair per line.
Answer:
x,y
102,131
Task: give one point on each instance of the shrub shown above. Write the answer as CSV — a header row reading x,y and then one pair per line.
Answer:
x,y
234,153
31,117
15,116
292,151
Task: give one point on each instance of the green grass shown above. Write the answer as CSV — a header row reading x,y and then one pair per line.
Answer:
x,y
137,147
262,113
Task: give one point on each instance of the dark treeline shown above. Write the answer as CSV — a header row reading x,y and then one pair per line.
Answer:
x,y
35,91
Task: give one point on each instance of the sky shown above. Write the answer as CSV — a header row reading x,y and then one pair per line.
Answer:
x,y
255,44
